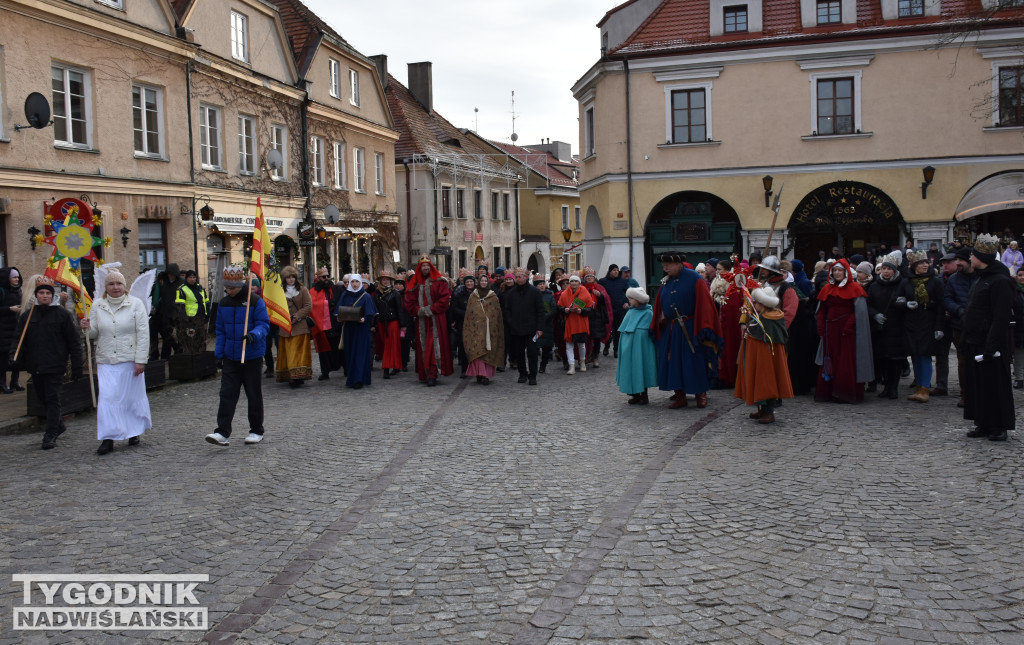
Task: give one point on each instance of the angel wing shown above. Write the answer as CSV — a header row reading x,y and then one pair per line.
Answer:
x,y
100,278
142,288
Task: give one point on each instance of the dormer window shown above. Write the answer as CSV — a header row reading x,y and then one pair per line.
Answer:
x,y
239,36
735,19
829,12
911,8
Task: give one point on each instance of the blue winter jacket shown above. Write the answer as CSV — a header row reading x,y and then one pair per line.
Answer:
x,y
957,293
230,324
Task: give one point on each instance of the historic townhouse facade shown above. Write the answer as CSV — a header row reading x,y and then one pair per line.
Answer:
x,y
114,75
460,202
879,118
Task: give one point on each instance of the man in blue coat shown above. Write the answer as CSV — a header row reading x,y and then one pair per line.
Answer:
x,y
238,370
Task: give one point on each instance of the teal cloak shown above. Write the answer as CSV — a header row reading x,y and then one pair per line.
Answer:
x,y
637,367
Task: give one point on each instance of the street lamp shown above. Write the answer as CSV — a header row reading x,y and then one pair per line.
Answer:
x,y
929,175
205,214
766,181
444,232
566,234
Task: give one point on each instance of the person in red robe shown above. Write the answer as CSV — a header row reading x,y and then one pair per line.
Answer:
x,y
844,353
427,297
326,330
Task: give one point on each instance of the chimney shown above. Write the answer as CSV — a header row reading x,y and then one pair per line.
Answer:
x,y
421,84
381,61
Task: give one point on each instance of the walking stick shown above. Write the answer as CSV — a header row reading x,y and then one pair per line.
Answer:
x,y
22,339
245,325
88,345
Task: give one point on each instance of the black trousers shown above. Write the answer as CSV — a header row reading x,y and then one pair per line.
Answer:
x,y
48,388
234,377
272,337
942,359
3,374
523,351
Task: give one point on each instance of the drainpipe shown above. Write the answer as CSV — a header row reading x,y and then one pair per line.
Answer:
x,y
307,190
629,165
408,213
192,167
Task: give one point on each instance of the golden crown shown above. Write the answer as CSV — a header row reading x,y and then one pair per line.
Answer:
x,y
988,244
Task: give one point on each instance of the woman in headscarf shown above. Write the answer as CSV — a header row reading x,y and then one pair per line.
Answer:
x,y
801,280
576,303
10,305
844,353
357,335
294,354
120,325
920,296
483,332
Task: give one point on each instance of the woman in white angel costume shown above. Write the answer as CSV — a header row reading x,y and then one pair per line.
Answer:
x,y
119,323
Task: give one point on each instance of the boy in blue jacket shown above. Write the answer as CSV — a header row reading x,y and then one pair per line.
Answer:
x,y
236,374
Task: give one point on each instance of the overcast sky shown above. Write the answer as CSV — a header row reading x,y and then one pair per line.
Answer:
x,y
481,52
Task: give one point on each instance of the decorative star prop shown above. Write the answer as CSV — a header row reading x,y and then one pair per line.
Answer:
x,y
73,239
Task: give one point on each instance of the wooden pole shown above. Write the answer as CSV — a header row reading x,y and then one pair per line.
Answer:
x,y
245,326
22,339
88,346
771,232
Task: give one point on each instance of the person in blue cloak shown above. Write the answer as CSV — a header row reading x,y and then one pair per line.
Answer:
x,y
357,335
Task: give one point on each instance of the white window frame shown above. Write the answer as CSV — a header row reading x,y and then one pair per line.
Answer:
x,y
246,144
159,100
240,36
340,168
353,87
589,132
359,168
316,160
754,16
86,100
279,142
565,216
113,4
577,213
460,202
335,71
809,13
446,207
208,143
824,76
378,166
996,66
669,134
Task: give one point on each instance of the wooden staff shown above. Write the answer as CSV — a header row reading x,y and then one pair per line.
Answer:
x,y
88,346
775,216
22,339
245,325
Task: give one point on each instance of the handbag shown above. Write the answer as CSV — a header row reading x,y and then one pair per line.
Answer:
x,y
351,314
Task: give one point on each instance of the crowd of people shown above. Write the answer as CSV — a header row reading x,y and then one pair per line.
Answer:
x,y
763,327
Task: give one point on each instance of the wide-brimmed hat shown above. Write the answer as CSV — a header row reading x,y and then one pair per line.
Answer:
x,y
385,274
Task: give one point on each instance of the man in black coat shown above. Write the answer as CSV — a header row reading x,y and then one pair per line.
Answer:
x,y
524,322
988,394
955,296
616,286
52,336
165,315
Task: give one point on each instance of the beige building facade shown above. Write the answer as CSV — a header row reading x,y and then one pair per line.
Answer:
x,y
679,136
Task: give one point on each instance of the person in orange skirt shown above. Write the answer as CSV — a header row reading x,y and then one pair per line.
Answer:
x,y
762,376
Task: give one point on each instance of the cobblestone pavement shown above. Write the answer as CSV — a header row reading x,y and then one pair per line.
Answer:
x,y
551,514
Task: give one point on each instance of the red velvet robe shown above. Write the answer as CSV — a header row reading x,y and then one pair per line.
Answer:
x,y
430,346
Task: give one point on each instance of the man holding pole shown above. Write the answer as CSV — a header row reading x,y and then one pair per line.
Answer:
x,y
242,328
48,336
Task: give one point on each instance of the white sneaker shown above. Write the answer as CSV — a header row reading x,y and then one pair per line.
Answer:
x,y
253,438
572,370
583,367
217,438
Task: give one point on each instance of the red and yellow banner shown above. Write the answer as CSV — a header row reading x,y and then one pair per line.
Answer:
x,y
273,290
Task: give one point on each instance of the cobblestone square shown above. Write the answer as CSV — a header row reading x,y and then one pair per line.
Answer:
x,y
549,514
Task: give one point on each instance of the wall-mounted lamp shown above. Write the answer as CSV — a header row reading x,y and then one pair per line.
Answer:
x,y
566,233
124,235
929,175
33,234
444,232
766,181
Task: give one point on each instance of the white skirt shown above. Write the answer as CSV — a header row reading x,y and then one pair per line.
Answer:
x,y
122,411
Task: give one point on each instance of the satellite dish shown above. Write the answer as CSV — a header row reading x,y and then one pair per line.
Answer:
x,y
515,137
37,111
332,213
275,160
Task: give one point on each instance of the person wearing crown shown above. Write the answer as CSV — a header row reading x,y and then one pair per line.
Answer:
x,y
988,393
241,343
686,326
427,298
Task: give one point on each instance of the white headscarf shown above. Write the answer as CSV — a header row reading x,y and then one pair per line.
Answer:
x,y
353,278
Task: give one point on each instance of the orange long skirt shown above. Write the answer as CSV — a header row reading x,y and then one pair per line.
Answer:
x,y
763,372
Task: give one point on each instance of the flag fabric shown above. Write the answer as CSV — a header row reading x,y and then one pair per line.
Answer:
x,y
270,279
62,272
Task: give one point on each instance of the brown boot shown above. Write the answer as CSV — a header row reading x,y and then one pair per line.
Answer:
x,y
757,414
767,418
920,395
680,400
702,400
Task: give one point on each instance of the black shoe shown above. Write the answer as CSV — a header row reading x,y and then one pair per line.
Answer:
x,y
49,442
324,377
998,436
5,389
17,387
522,378
940,390
387,374
605,350
884,394
107,445
894,393
960,403
1017,385
431,382
268,374
872,387
357,386
533,381
133,441
978,433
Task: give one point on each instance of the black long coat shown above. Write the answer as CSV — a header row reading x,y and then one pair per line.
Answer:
x,y
988,399
888,339
8,319
920,324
